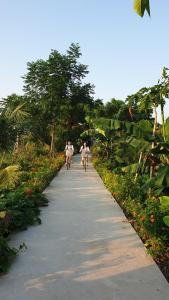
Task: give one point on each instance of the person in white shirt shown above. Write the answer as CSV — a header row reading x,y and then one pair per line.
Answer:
x,y
84,150
69,151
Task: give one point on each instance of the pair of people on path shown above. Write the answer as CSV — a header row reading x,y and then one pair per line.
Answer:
x,y
84,150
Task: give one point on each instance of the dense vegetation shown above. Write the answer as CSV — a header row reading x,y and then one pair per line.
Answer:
x,y
21,195
131,153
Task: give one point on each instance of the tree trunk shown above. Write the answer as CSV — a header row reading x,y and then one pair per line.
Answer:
x,y
16,145
139,163
154,134
52,144
163,119
15,149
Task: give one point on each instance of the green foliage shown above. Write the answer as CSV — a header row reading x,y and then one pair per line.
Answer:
x,y
160,182
167,129
141,129
164,207
20,206
144,212
7,133
166,220
131,155
9,176
57,98
141,6
164,202
154,218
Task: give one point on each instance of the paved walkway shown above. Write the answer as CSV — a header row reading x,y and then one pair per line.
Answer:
x,y
84,250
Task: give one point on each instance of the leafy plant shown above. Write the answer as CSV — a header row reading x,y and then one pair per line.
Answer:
x,y
164,201
9,176
141,6
160,182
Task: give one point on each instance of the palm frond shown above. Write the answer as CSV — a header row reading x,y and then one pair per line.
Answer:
x,y
9,176
17,113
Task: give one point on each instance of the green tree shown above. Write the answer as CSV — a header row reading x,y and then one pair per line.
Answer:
x,y
112,107
54,90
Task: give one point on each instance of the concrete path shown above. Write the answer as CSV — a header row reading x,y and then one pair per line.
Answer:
x,y
84,250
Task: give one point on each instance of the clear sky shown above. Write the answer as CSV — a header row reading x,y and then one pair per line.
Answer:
x,y
123,51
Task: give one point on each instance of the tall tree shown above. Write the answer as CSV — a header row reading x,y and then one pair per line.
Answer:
x,y
53,86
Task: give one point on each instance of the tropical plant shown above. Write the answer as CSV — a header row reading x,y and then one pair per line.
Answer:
x,y
141,6
164,201
54,91
9,176
17,117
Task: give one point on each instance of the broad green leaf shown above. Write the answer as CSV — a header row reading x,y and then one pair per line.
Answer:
x,y
129,127
101,131
88,132
167,129
117,124
160,182
118,159
158,192
140,6
166,220
162,177
145,126
164,203
135,143
131,168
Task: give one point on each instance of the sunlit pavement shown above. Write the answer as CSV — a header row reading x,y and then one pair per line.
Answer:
x,y
84,250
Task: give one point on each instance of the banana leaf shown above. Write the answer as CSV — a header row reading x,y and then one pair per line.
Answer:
x,y
140,6
133,168
166,220
139,144
160,182
167,130
164,203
